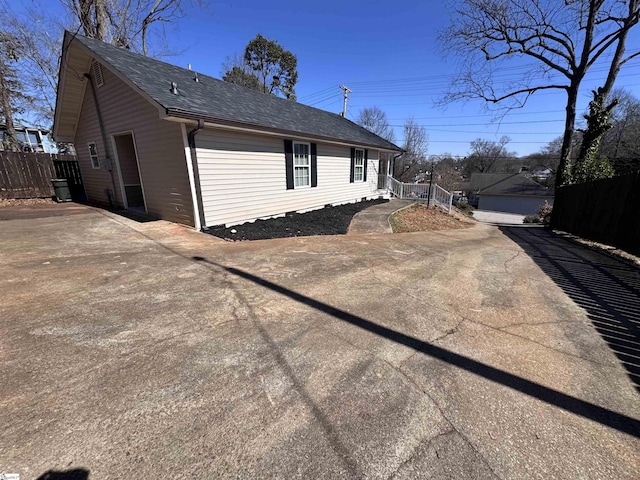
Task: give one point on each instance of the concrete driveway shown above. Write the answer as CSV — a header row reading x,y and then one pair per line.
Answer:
x,y
144,350
487,216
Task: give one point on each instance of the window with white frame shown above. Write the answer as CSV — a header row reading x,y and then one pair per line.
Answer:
x,y
301,164
93,153
358,166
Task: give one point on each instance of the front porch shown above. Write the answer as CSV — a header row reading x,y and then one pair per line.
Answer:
x,y
432,194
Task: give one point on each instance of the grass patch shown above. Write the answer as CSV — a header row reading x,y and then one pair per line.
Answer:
x,y
419,218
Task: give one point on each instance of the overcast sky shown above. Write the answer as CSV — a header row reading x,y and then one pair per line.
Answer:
x,y
386,52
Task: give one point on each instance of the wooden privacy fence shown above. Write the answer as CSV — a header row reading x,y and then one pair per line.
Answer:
x,y
28,175
607,211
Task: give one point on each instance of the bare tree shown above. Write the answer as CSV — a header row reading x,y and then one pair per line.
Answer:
x,y
485,155
448,171
416,143
621,145
375,120
10,89
38,42
564,39
126,23
236,71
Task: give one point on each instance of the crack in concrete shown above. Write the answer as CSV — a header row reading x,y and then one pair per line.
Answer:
x,y
450,331
423,445
506,263
561,352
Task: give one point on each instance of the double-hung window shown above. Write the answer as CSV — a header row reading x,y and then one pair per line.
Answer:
x,y
358,166
301,164
93,153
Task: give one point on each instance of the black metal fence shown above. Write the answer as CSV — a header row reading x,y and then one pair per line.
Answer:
x,y
606,211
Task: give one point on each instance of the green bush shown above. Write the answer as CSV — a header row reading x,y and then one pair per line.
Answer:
x,y
532,219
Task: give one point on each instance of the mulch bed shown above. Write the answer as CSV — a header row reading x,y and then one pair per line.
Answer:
x,y
419,218
325,221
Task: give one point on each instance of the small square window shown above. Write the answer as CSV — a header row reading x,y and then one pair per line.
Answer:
x,y
358,169
301,165
93,153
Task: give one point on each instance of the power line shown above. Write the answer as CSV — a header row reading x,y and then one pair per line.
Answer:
x,y
463,141
322,100
436,125
479,115
319,93
369,89
501,133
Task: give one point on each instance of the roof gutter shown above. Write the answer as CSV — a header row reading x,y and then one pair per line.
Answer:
x,y
191,138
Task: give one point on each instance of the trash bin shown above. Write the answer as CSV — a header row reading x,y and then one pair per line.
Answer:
x,y
61,189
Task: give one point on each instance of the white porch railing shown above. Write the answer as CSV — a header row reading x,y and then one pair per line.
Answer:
x,y
416,191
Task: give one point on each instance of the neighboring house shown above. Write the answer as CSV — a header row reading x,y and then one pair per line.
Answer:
x,y
30,139
196,150
542,173
506,192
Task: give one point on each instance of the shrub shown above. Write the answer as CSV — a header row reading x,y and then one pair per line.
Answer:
x,y
544,212
531,219
464,207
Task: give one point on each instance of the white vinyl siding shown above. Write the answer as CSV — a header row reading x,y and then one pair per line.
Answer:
x,y
243,177
159,145
301,164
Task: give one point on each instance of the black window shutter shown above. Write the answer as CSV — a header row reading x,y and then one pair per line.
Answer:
x,y
353,164
288,160
314,165
366,161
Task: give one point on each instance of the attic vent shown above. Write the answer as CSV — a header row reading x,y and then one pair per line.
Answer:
x,y
96,72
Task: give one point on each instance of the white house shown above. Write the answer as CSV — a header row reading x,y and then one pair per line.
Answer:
x,y
199,151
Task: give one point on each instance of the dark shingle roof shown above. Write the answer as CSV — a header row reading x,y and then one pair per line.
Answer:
x,y
478,181
214,99
505,184
516,185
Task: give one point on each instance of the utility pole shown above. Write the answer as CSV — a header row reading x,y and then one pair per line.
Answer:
x,y
347,91
433,166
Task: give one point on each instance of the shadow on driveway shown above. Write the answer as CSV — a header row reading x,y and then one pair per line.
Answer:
x,y
604,416
606,288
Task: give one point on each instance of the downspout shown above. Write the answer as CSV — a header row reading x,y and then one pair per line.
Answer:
x,y
393,164
108,163
196,174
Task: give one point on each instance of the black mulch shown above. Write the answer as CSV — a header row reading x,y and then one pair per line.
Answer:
x,y
326,221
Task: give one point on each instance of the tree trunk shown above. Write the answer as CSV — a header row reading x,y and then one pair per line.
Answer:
x,y
599,112
102,19
5,102
563,175
85,18
145,25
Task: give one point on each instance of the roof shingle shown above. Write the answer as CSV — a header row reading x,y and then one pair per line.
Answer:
x,y
213,99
